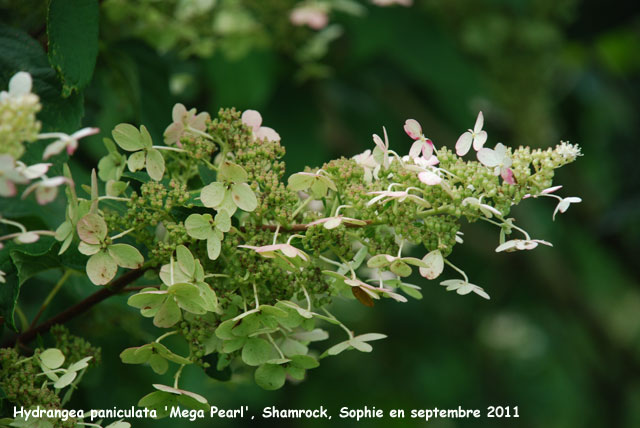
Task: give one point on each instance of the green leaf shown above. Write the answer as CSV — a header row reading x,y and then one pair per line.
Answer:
x,y
381,260
127,137
168,314
319,188
224,330
155,164
304,362
223,221
165,353
101,268
52,358
148,298
88,249
233,345
19,263
72,30
295,372
115,188
213,247
145,137
185,260
270,376
111,166
159,401
244,197
126,255
290,347
400,268
158,364
92,229
188,297
79,365
198,225
247,325
300,181
136,161
212,194
311,336
232,172
209,298
257,351
411,290
65,380
137,355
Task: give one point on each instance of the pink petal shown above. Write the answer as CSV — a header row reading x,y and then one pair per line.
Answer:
x,y
84,132
413,128
252,119
507,176
550,190
429,178
427,149
268,133
7,188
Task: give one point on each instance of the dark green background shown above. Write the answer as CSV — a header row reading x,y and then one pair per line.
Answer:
x,y
560,337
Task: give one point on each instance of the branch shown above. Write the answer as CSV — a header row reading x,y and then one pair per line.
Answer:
x,y
115,287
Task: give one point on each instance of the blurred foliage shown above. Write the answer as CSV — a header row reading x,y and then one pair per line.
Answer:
x,y
560,338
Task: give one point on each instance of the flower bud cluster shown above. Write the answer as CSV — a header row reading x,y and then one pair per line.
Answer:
x,y
18,109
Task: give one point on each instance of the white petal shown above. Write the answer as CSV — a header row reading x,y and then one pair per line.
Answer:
x,y
429,178
463,144
53,149
416,148
489,157
178,113
465,289
20,84
36,170
480,292
333,222
479,123
479,140
507,246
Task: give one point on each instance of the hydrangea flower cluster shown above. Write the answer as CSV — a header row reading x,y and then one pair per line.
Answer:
x,y
244,265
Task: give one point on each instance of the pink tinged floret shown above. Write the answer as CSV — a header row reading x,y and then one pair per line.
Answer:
x,y
312,16
252,119
7,188
179,113
413,128
268,133
430,178
551,190
507,176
